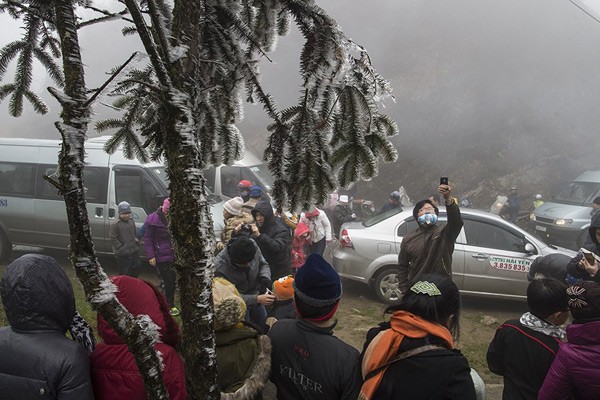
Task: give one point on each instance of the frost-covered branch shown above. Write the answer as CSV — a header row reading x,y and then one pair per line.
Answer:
x,y
109,80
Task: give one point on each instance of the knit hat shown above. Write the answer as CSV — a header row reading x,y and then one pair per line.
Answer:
x,y
166,205
124,208
313,212
234,206
256,191
241,250
283,288
317,283
584,301
395,195
420,205
244,184
230,308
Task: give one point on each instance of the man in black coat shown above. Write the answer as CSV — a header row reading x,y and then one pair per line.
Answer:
x,y
273,239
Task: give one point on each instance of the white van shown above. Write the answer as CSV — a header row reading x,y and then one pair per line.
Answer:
x,y
566,218
32,213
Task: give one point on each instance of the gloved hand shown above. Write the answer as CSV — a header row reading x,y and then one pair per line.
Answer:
x,y
82,332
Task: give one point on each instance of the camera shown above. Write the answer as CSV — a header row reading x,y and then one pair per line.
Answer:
x,y
246,228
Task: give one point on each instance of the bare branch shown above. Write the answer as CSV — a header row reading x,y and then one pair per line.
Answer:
x,y
112,77
108,16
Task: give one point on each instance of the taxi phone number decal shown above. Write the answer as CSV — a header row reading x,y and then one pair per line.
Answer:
x,y
510,264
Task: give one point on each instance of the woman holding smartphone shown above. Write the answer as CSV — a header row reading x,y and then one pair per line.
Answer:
x,y
585,264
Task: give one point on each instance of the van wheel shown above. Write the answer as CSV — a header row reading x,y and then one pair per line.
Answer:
x,y
386,285
5,247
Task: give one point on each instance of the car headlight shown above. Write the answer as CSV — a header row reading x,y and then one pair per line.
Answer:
x,y
532,216
563,222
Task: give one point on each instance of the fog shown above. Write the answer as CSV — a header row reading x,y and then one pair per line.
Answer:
x,y
484,90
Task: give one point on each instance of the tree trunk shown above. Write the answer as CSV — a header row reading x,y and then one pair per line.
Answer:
x,y
97,287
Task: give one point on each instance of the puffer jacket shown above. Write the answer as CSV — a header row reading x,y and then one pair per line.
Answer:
x,y
574,374
157,241
115,375
574,269
37,361
428,250
319,226
246,280
274,242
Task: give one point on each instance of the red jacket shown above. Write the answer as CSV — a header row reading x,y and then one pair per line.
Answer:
x,y
115,375
298,243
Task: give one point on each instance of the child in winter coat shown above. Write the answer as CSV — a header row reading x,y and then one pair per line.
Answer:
x,y
115,375
522,350
243,355
300,240
283,307
124,242
320,230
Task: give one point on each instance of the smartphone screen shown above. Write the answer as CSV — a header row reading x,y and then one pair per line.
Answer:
x,y
444,180
589,257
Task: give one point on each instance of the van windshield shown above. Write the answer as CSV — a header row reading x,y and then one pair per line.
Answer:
x,y
578,193
161,174
263,175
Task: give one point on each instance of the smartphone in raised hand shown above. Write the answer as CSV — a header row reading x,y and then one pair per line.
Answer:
x,y
444,180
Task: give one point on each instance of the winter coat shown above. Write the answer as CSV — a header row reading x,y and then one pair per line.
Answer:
x,y
341,213
428,249
575,372
157,241
308,362
243,360
590,240
574,269
437,374
122,238
390,206
319,227
246,280
248,206
298,243
523,357
230,225
513,204
115,375
274,242
37,361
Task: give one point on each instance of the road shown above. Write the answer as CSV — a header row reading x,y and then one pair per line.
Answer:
x,y
360,310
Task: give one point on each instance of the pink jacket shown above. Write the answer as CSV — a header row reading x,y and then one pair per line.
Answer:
x,y
575,372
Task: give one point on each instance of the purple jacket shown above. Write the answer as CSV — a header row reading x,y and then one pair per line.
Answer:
x,y
575,373
156,238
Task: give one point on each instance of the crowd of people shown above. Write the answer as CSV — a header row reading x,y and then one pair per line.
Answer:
x,y
275,300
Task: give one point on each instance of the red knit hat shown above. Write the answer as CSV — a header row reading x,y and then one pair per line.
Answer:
x,y
283,289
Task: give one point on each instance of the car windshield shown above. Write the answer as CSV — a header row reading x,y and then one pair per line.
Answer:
x,y
263,175
380,217
578,193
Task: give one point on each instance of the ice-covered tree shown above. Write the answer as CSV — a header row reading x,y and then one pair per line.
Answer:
x,y
184,107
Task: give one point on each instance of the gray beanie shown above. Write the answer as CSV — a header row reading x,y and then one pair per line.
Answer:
x,y
124,208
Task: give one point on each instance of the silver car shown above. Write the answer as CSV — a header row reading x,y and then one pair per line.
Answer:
x,y
491,255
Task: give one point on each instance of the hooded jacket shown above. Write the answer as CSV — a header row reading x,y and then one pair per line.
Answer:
x,y
115,375
574,269
428,249
230,225
574,372
274,242
319,226
550,266
246,280
298,243
37,361
157,241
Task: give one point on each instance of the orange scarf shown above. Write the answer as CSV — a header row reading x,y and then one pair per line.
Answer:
x,y
384,347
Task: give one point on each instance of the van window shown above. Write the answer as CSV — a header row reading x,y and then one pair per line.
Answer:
x,y
578,193
231,176
17,179
95,180
209,175
136,187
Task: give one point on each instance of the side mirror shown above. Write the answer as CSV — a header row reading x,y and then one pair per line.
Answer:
x,y
530,249
214,199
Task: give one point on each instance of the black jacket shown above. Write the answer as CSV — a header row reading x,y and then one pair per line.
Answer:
x,y
523,357
37,360
308,362
574,269
433,375
274,242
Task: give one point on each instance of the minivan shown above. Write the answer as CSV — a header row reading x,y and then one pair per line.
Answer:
x,y
33,214
566,218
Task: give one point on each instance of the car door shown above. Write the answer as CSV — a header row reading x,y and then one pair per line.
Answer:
x,y
495,258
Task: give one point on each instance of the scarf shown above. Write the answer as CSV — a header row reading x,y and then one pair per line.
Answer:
x,y
539,325
384,347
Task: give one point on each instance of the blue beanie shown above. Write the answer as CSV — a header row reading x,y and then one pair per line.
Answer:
x,y
256,191
317,283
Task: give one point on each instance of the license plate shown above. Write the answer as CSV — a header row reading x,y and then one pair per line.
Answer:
x,y
540,228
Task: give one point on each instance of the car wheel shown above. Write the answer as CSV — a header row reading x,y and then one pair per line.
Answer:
x,y
386,285
5,247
